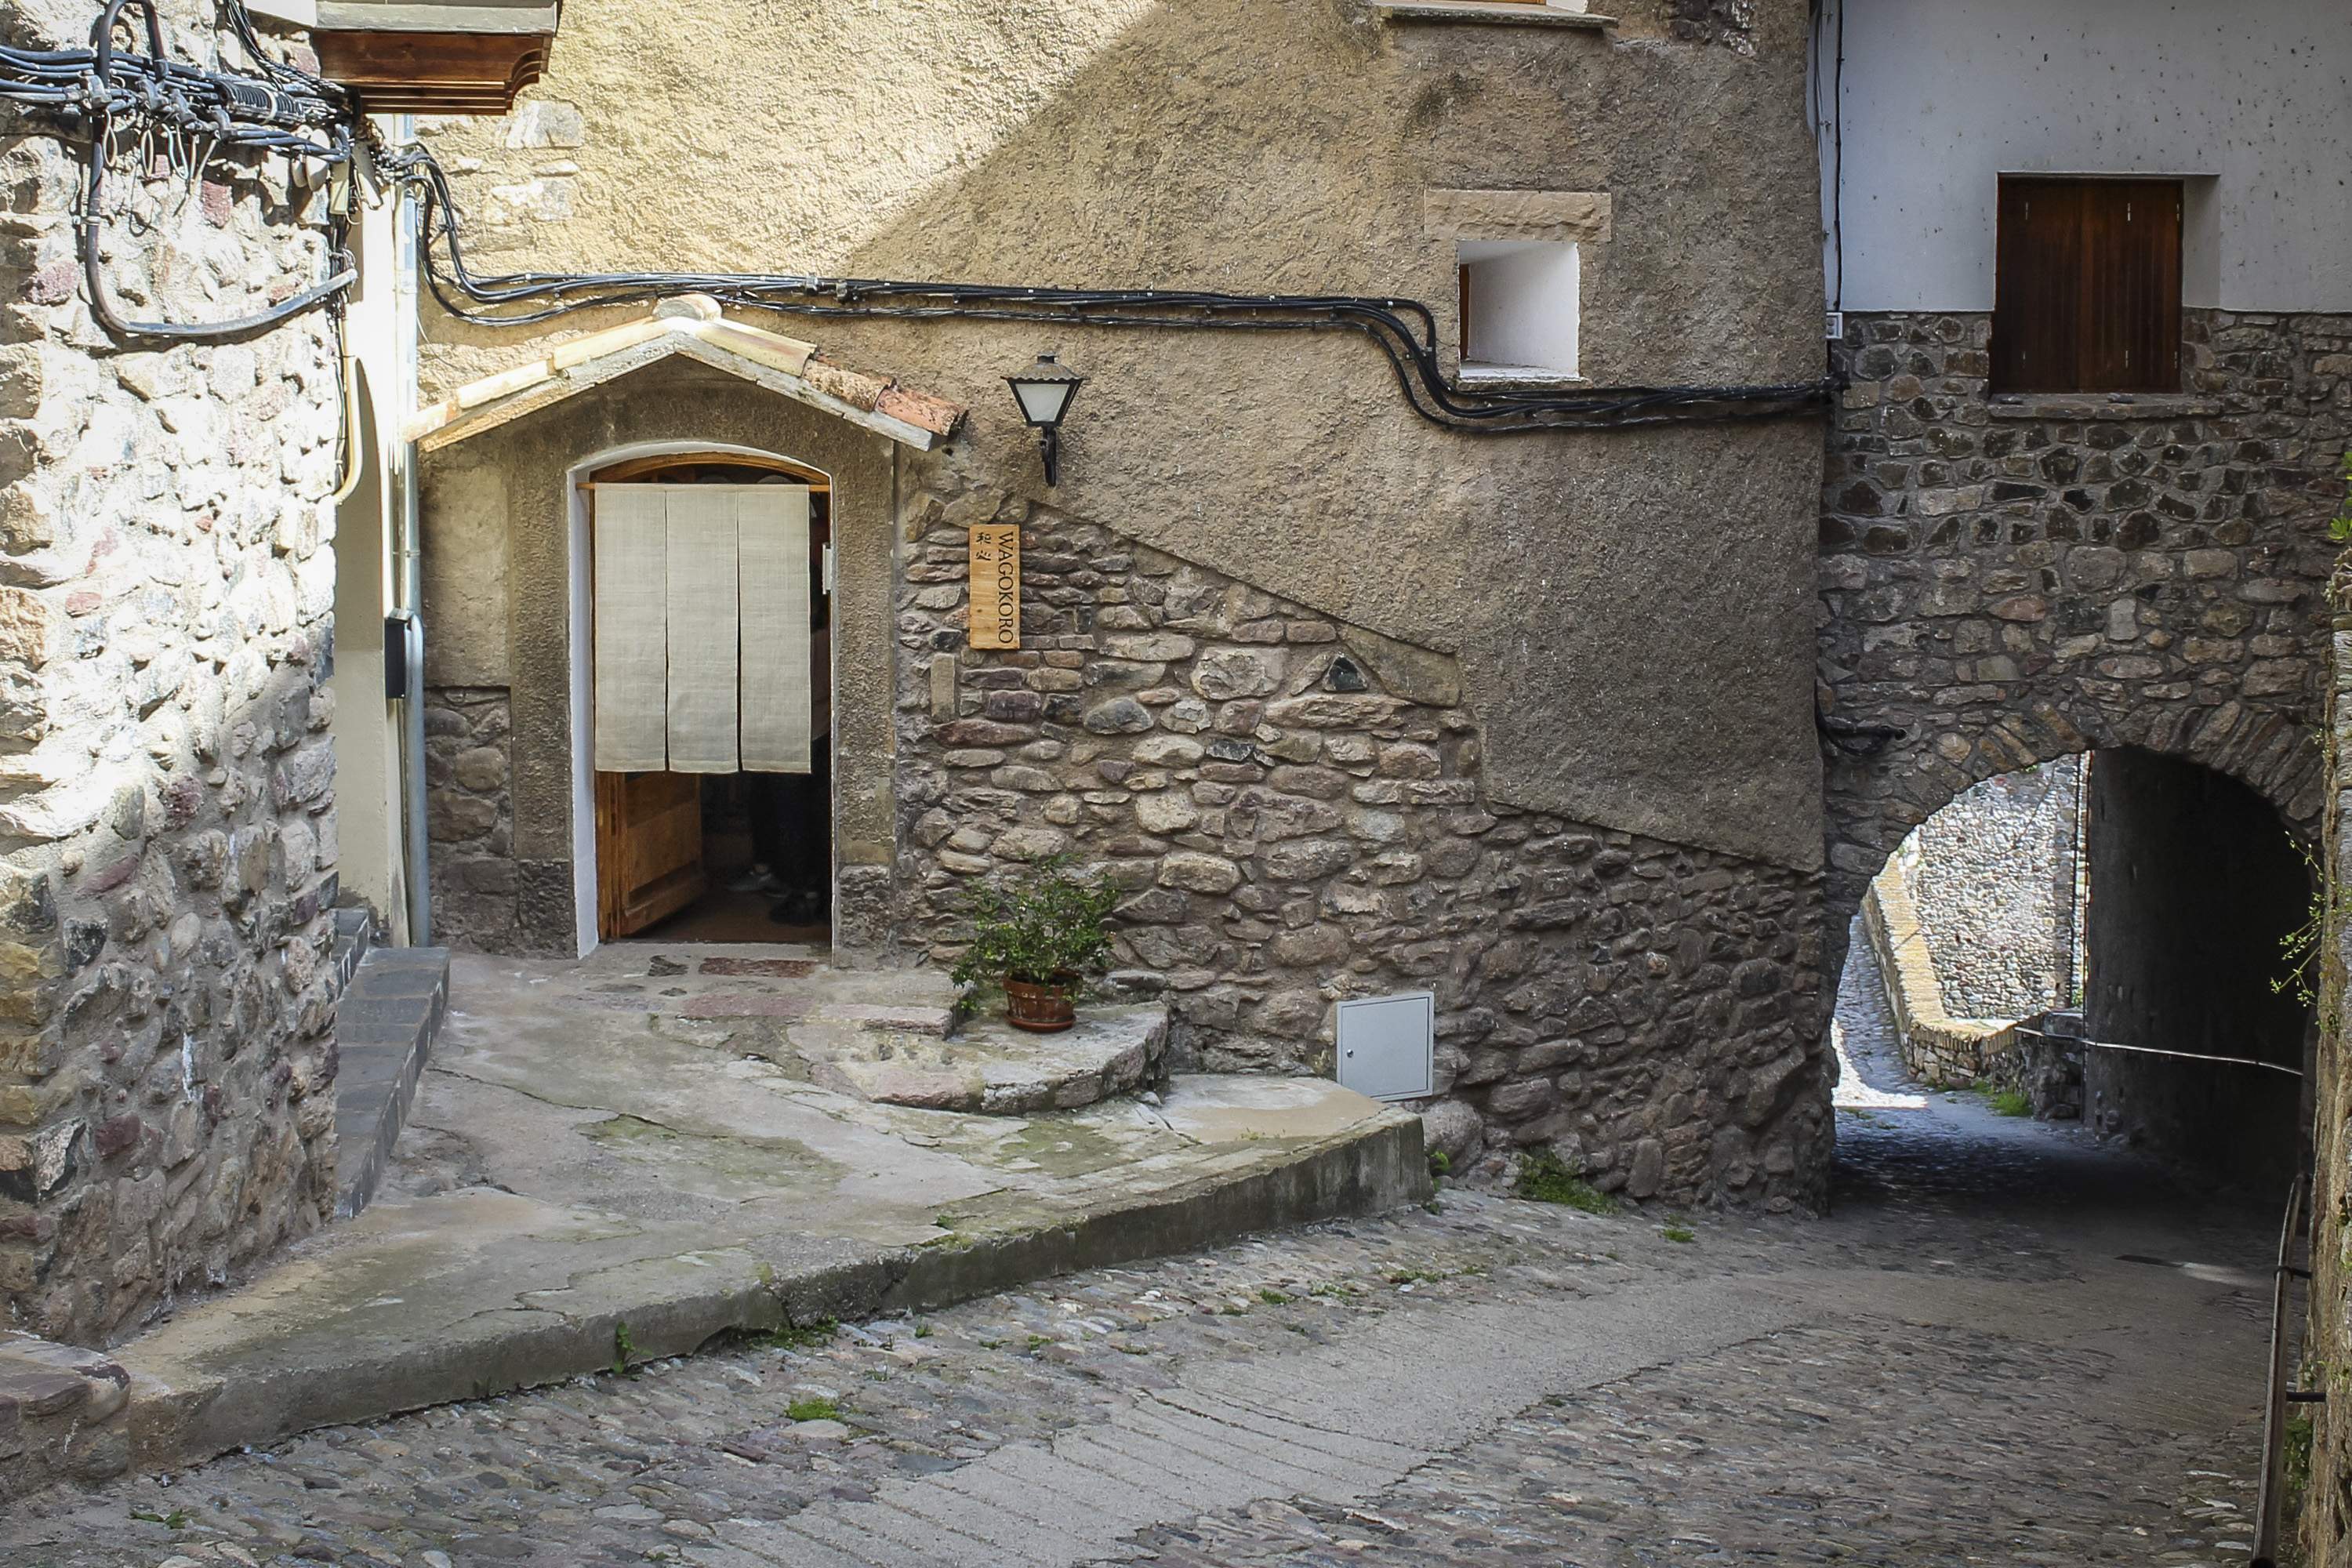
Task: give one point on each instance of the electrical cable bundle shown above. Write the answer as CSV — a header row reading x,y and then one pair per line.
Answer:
x,y
1404,329
92,94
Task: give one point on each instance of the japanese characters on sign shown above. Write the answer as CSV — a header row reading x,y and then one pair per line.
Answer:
x,y
996,585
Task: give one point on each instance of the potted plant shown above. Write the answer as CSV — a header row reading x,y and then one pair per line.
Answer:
x,y
1039,937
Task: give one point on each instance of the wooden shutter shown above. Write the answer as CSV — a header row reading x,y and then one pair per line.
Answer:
x,y
2131,287
2088,285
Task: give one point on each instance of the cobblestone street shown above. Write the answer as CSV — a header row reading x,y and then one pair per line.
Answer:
x,y
2004,1346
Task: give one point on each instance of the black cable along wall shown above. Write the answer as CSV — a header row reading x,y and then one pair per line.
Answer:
x,y
95,94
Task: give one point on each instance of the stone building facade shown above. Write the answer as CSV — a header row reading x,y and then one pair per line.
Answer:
x,y
167,840
1267,683
2007,581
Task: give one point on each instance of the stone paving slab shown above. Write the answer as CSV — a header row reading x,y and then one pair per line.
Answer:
x,y
583,1183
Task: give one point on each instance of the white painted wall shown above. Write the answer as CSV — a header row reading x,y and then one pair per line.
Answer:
x,y
1941,96
379,328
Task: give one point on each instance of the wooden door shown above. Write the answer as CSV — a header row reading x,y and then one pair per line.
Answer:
x,y
648,848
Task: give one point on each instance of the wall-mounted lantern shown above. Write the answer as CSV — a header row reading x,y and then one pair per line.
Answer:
x,y
1045,391
435,57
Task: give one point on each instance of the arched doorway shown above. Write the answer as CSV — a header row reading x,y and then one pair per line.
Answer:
x,y
702,676
2111,937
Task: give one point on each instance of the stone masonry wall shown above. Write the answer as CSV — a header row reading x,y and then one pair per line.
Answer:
x,y
2008,582
1992,877
470,815
167,843
1294,809
2326,1522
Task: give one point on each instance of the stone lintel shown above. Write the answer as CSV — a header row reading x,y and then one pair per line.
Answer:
x,y
1517,214
1501,13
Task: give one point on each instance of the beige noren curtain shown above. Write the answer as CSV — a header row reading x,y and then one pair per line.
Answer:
x,y
702,679
773,529
701,642
631,647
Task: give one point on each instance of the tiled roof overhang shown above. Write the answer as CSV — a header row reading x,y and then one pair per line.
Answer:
x,y
692,326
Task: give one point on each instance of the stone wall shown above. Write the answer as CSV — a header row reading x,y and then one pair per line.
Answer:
x,y
167,843
469,816
2194,887
2005,583
1937,1048
1991,879
1294,809
2326,1522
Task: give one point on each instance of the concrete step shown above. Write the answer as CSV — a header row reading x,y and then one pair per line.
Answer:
x,y
468,1293
383,1032
991,1067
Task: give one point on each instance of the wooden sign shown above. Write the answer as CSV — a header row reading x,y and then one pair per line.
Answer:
x,y
995,619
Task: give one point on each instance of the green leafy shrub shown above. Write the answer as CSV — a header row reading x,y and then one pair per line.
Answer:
x,y
1045,925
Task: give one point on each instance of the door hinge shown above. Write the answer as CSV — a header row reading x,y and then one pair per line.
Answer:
x,y
826,576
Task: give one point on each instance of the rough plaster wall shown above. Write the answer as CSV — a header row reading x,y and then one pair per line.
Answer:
x,y
2006,586
2250,95
1644,667
167,843
2193,882
1991,879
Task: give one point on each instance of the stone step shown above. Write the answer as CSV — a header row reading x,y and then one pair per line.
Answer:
x,y
62,1415
384,1031
991,1068
354,935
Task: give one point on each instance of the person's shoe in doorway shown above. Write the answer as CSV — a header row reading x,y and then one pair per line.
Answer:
x,y
804,908
758,879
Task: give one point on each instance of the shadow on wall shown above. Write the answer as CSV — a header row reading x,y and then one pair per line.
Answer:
x,y
2194,884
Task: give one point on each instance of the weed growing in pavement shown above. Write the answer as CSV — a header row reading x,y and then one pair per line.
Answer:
x,y
1678,1233
2006,1100
1546,1180
800,1336
815,1407
623,1348
1272,1298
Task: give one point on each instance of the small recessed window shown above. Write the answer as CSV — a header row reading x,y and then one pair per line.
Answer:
x,y
2086,286
1519,307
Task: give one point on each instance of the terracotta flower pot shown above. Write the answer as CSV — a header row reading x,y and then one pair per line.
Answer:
x,y
1041,1009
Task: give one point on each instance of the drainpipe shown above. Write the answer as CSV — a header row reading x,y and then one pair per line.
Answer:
x,y
409,596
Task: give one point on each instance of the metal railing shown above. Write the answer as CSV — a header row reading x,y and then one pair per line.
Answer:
x,y
2270,1496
